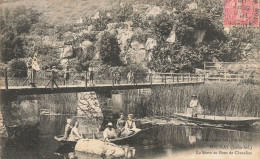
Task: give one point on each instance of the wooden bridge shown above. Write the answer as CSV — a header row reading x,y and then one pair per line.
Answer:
x,y
16,86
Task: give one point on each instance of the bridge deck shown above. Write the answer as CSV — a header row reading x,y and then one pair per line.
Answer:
x,y
27,90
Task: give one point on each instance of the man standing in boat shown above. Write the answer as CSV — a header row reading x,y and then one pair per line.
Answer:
x,y
195,105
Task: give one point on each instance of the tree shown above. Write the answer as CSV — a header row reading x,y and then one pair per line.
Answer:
x,y
162,25
110,50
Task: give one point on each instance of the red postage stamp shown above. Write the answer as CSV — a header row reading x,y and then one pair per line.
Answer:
x,y
241,13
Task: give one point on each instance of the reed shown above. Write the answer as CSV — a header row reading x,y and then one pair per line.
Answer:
x,y
225,99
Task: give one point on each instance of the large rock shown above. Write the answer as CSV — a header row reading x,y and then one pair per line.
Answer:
x,y
93,146
67,52
153,11
124,37
88,105
150,44
199,35
137,53
172,37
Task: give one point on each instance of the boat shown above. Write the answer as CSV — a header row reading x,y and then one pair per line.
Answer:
x,y
125,139
64,141
98,135
227,120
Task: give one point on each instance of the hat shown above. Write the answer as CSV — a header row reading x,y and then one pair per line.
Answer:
x,y
68,120
193,95
109,124
130,115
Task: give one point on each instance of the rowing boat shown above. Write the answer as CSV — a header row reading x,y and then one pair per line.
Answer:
x,y
98,135
228,120
64,141
124,139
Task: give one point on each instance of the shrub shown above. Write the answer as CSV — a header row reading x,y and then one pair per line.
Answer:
x,y
18,68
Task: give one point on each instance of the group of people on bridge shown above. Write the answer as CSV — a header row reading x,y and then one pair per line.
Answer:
x,y
33,67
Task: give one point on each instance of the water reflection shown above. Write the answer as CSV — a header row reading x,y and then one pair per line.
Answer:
x,y
157,142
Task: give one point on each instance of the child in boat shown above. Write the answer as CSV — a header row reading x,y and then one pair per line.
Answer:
x,y
195,105
74,134
120,124
109,132
68,128
129,126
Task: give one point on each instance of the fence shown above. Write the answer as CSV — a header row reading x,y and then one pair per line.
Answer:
x,y
55,78
230,71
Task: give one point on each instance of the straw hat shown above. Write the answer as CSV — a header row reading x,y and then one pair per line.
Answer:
x,y
110,124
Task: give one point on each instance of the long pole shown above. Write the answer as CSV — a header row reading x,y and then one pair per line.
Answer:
x,y
6,79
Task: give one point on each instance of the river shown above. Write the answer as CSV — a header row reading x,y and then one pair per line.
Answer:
x,y
164,141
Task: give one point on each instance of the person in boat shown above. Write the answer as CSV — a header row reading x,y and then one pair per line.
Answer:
x,y
120,124
74,134
130,126
109,132
195,105
68,128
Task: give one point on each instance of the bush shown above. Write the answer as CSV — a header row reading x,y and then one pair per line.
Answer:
x,y
18,68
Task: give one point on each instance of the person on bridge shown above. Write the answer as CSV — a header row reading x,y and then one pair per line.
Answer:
x,y
117,77
66,75
29,69
109,132
130,77
195,105
91,75
35,68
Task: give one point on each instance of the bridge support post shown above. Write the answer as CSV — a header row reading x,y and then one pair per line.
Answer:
x,y
6,79
86,79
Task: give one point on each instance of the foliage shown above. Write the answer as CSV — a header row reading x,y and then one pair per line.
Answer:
x,y
18,68
110,50
14,23
162,25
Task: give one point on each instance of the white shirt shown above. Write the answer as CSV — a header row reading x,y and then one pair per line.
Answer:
x,y
194,103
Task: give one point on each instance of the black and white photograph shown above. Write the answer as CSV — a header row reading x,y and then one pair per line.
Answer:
x,y
129,79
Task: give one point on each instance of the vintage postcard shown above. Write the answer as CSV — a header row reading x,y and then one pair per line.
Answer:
x,y
129,79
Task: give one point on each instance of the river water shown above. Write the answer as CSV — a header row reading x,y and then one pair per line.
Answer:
x,y
165,141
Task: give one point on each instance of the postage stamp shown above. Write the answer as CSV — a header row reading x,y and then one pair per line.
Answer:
x,y
241,13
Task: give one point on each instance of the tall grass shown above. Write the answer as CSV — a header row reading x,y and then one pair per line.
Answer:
x,y
65,103
227,99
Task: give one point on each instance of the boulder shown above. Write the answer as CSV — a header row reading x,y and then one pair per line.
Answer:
x,y
150,44
153,11
192,6
172,37
98,147
67,52
199,35
96,16
124,37
137,53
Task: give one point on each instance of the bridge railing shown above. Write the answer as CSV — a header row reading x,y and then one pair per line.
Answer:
x,y
55,78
